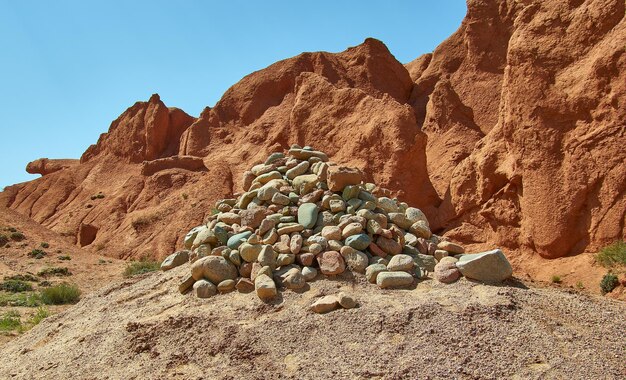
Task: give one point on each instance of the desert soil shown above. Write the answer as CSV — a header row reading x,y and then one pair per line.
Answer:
x,y
143,328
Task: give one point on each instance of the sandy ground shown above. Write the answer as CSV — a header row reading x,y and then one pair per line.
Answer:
x,y
144,329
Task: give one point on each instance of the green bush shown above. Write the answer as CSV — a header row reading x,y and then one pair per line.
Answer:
x,y
54,271
20,299
65,257
37,253
17,236
60,294
10,321
556,279
612,254
608,283
15,286
4,239
140,267
45,245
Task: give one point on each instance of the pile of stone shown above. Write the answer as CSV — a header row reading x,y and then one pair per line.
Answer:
x,y
301,216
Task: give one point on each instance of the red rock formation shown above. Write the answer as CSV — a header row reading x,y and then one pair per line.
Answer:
x,y
510,133
45,166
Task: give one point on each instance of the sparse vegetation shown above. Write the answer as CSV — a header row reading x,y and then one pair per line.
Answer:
x,y
145,220
20,299
41,314
611,255
556,279
140,267
97,196
4,239
580,285
45,245
22,277
10,321
17,236
60,294
65,257
55,271
214,211
100,246
608,283
15,286
185,196
11,229
37,253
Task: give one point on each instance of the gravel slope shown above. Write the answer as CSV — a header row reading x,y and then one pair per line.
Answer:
x,y
144,329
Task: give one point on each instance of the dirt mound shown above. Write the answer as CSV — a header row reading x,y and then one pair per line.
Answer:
x,y
508,134
143,328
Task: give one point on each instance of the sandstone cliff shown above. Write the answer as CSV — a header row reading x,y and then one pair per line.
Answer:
x,y
510,133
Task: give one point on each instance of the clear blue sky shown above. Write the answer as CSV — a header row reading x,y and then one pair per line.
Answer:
x,y
69,68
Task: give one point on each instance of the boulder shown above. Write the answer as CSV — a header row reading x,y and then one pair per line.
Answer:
x,y
394,280
490,266
175,259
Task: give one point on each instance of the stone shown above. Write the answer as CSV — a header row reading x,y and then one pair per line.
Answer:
x,y
389,246
338,177
373,227
226,286
351,192
294,281
186,284
372,271
281,199
401,262
229,218
266,177
410,239
191,236
414,215
265,287
249,252
214,268
266,225
244,285
359,241
394,280
490,266
425,262
420,229
236,240
331,263
266,193
309,273
305,259
347,301
303,184
295,244
205,236
307,214
175,259
204,289
315,248
297,170
273,157
331,233
233,256
451,247
337,205
355,260
440,254
247,179
245,270
400,220
291,228
446,272
267,257
335,245
387,204
351,229
285,259
325,304
252,218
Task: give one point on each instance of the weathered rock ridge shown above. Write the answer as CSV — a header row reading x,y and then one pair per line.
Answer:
x,y
510,133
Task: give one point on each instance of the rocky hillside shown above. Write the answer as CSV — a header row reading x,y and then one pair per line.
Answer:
x,y
509,134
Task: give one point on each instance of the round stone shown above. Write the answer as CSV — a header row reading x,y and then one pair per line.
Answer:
x,y
235,241
358,241
307,214
204,289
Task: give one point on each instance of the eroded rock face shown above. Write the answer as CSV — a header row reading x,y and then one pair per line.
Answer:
x,y
510,133
46,166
